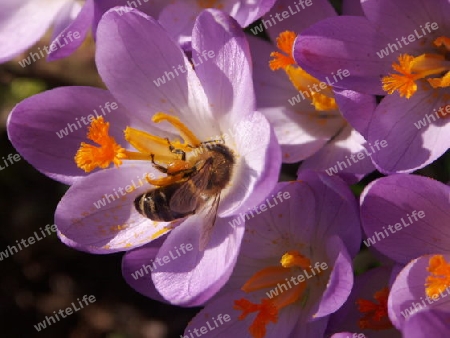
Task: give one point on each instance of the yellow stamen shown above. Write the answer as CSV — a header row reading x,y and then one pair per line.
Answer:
x,y
294,258
90,157
439,278
375,313
432,67
148,144
187,135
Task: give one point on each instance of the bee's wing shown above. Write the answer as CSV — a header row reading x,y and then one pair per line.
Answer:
x,y
188,196
208,223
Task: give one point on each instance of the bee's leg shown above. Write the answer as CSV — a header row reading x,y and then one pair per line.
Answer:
x,y
158,166
163,181
176,151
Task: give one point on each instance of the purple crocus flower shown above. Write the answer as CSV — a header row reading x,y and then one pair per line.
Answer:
x,y
24,22
308,115
295,264
400,49
405,217
189,114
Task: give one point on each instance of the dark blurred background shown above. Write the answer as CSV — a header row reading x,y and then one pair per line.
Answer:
x,y
48,276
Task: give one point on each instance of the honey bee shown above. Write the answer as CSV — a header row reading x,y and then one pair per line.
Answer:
x,y
189,189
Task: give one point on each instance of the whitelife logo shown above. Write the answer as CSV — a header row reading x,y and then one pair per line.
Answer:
x,y
360,156
60,42
205,329
170,75
13,249
317,269
280,16
281,196
411,38
87,300
378,236
316,88
146,269
71,127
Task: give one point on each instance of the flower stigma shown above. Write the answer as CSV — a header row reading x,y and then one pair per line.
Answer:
x,y
301,80
434,68
267,309
375,313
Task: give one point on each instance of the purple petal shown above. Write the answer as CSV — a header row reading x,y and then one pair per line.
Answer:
x,y
47,129
150,7
357,108
226,75
98,212
396,120
137,266
69,39
334,196
428,323
288,15
282,204
302,133
23,23
257,147
134,46
340,282
195,277
346,43
178,19
402,18
413,208
250,11
335,157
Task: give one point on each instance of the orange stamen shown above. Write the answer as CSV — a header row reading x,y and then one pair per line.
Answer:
x,y
283,293
439,278
431,67
267,312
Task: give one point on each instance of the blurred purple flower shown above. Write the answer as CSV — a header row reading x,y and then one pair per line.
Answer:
x,y
308,116
295,264
215,102
71,21
400,49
